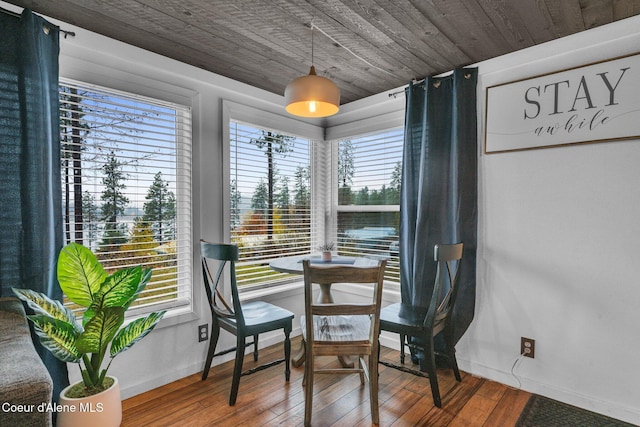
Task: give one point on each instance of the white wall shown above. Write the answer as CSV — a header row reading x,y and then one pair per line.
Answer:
x,y
557,245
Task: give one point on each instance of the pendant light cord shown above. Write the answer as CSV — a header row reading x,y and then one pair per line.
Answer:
x,y
313,25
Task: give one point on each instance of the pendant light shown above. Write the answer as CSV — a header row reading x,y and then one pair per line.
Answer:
x,y
312,95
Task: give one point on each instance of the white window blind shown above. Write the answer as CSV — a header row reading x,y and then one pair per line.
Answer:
x,y
126,180
270,208
368,193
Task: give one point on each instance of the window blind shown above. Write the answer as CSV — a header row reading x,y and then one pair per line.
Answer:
x,y
270,200
368,196
126,180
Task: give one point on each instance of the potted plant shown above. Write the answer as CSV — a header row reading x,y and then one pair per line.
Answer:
x,y
326,251
106,299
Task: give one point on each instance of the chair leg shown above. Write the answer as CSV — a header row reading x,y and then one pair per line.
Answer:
x,y
373,387
451,350
402,339
237,370
255,348
213,341
287,353
361,367
308,390
429,364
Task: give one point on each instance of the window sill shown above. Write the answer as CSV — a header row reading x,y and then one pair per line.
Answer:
x,y
277,291
391,291
175,315
178,316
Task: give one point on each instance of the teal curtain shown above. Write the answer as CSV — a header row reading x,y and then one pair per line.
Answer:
x,y
438,202
31,214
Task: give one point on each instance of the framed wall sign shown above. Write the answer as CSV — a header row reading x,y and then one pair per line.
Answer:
x,y
594,103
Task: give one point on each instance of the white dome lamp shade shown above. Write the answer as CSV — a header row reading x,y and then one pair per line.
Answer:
x,y
312,96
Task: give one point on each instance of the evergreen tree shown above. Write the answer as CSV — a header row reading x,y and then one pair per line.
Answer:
x,y
346,170
302,197
236,199
160,209
362,197
114,202
260,199
282,198
90,218
396,181
283,206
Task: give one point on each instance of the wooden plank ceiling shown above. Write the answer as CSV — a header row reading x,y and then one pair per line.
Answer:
x,y
365,46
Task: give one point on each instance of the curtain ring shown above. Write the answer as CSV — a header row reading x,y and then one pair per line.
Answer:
x,y
46,29
467,76
436,84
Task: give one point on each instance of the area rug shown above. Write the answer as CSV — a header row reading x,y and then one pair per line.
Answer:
x,y
543,412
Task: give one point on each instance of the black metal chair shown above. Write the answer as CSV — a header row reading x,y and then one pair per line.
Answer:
x,y
241,319
417,326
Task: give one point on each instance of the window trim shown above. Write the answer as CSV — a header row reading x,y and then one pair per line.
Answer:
x,y
265,119
183,308
324,202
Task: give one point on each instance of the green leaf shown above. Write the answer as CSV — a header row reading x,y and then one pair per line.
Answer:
x,y
42,304
80,273
144,280
100,330
90,312
119,288
134,332
57,336
116,291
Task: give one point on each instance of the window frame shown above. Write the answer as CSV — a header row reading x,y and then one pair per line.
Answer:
x,y
182,308
265,120
324,175
337,208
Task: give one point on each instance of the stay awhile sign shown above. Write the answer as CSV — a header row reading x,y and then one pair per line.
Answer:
x,y
597,102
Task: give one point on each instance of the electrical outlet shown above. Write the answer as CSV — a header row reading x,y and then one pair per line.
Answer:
x,y
527,347
203,333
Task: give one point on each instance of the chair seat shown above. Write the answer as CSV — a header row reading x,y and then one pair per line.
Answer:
x,y
339,328
260,312
405,318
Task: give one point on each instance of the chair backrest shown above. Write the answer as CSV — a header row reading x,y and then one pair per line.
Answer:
x,y
225,255
324,275
448,259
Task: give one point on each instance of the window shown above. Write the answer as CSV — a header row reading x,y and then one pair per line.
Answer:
x,y
126,180
270,200
368,193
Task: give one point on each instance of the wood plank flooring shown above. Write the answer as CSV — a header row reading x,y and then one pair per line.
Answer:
x,y
266,399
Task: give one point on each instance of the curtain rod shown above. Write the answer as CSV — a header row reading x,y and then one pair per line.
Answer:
x,y
18,15
414,81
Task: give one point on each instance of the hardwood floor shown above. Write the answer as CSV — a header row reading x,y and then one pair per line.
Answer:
x,y
266,399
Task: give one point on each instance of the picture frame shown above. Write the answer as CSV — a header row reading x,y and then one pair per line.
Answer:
x,y
597,102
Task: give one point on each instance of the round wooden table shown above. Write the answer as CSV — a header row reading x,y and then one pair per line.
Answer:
x,y
293,265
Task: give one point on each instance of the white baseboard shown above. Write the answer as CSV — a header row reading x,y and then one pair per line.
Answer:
x,y
172,375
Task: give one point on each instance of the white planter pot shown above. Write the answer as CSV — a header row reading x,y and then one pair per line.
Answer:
x,y
100,410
